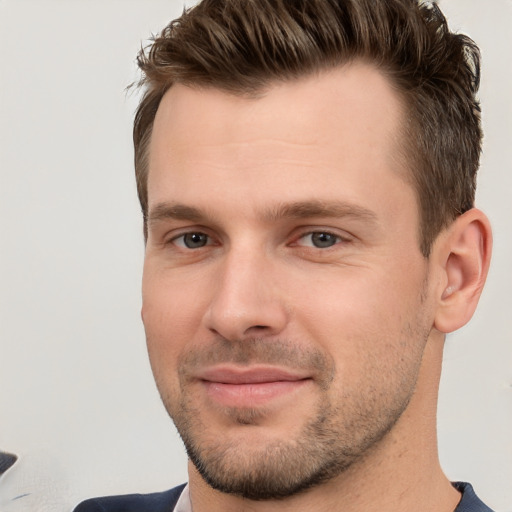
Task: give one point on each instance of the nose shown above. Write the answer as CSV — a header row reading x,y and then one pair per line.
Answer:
x,y
246,301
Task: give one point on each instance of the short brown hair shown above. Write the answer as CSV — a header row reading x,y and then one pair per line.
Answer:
x,y
243,46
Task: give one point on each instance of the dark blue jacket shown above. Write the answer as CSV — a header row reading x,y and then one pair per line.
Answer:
x,y
165,501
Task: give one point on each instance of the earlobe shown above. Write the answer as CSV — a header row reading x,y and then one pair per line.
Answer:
x,y
464,257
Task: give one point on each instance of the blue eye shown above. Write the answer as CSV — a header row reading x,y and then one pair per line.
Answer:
x,y
320,239
192,240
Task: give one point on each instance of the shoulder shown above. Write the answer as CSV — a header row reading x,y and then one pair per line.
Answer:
x,y
155,502
469,502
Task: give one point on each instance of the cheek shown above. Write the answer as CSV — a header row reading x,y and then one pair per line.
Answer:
x,y
375,337
365,316
171,313
171,298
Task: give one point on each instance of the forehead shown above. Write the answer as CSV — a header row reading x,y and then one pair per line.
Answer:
x,y
343,96
341,124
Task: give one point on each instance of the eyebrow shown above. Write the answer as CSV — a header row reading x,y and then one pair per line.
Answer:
x,y
295,210
316,208
175,211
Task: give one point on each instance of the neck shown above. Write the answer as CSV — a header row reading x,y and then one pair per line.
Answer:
x,y
401,473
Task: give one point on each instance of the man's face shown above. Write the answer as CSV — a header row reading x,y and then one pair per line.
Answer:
x,y
285,298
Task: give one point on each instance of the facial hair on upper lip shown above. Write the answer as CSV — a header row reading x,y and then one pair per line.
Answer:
x,y
258,351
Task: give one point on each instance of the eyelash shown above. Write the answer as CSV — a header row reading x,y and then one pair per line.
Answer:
x,y
337,239
182,236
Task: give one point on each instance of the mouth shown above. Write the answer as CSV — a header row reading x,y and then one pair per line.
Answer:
x,y
250,387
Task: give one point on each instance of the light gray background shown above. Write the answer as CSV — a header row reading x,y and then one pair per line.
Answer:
x,y
75,385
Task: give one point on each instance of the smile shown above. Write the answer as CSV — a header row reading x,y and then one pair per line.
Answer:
x,y
234,387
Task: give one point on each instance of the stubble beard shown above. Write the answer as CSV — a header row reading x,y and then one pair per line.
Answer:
x,y
278,469
331,441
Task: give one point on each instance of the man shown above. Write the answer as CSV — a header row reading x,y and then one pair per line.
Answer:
x,y
306,170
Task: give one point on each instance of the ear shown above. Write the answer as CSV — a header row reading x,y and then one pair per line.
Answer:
x,y
463,255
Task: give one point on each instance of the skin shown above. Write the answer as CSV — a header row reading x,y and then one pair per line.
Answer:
x,y
285,294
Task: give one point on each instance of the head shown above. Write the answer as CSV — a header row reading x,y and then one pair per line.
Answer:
x,y
243,47
306,172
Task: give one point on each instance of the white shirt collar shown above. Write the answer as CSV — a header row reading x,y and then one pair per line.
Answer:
x,y
184,504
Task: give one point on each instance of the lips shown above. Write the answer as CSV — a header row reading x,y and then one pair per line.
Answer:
x,y
250,387
253,375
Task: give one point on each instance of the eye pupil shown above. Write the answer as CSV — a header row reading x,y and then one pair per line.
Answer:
x,y
195,240
323,239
